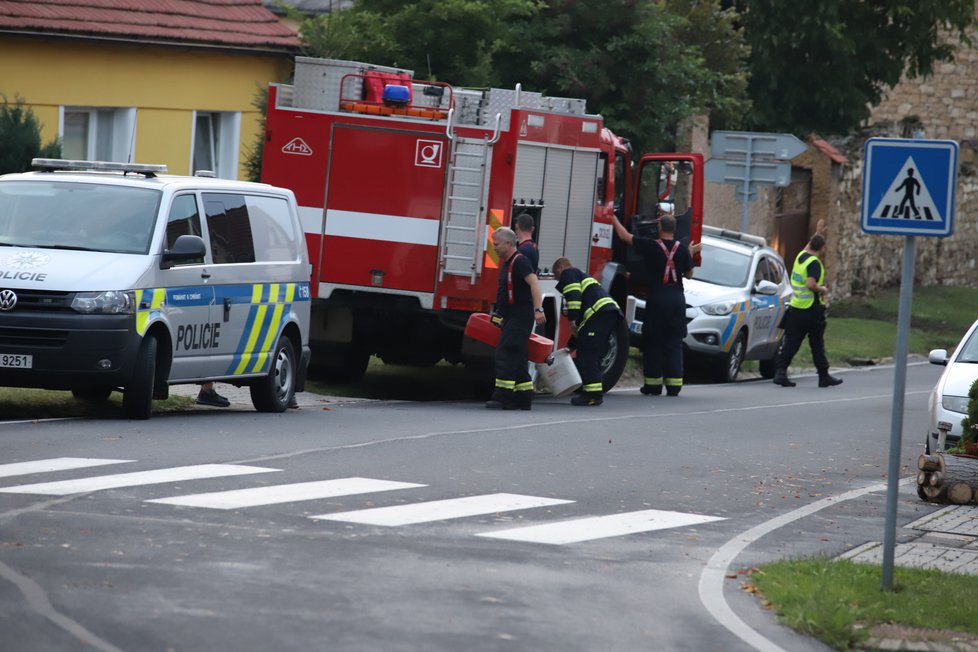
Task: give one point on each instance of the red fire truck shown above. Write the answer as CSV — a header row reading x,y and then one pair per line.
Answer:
x,y
401,182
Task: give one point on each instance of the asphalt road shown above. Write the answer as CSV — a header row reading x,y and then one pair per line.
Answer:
x,y
96,565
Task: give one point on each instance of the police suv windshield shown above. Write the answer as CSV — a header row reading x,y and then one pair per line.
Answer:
x,y
86,216
723,266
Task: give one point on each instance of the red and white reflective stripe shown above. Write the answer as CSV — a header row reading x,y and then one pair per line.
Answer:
x,y
669,274
509,277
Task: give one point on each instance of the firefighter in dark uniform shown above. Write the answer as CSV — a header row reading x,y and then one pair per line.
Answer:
x,y
595,316
523,226
519,304
664,327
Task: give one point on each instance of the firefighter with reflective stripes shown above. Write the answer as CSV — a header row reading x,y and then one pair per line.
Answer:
x,y
664,327
595,316
524,225
519,304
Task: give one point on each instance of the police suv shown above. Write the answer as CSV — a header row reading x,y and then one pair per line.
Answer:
x,y
118,276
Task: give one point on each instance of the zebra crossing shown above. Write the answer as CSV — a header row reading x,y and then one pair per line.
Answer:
x,y
575,530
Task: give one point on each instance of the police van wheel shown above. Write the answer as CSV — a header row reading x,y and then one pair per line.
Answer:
x,y
614,361
273,392
137,396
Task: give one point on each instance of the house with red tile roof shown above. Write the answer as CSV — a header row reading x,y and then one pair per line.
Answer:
x,y
153,81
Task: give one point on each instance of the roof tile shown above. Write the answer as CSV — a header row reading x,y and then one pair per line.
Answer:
x,y
229,23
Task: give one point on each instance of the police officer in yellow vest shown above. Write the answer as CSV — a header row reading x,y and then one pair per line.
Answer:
x,y
806,315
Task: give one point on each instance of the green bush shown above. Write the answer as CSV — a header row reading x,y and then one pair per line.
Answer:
x,y
969,425
20,136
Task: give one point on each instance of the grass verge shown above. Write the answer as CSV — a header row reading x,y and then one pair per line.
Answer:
x,y
839,602
17,403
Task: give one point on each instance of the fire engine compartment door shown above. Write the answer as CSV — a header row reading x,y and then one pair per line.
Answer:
x,y
383,208
564,181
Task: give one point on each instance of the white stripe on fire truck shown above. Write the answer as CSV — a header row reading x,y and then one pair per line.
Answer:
x,y
387,228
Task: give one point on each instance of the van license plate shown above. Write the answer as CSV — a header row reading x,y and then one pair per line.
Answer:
x,y
17,361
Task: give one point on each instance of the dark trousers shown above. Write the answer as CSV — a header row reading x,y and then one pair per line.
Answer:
x,y
512,367
662,338
592,345
809,322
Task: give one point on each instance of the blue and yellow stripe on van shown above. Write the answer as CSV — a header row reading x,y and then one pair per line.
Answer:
x,y
149,306
269,302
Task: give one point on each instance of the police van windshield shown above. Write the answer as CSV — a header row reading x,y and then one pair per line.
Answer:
x,y
723,267
86,216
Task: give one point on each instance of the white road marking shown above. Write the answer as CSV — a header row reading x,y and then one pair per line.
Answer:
x,y
285,493
53,464
158,476
600,527
440,510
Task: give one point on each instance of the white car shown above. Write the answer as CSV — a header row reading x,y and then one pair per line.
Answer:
x,y
948,401
734,304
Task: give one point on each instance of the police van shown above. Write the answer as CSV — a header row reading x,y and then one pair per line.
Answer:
x,y
116,276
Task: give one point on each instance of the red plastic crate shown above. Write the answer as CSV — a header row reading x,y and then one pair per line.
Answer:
x,y
480,328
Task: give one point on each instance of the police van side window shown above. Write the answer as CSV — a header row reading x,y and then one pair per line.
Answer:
x,y
229,227
271,228
184,219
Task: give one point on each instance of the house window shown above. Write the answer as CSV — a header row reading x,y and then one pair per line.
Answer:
x,y
98,134
215,143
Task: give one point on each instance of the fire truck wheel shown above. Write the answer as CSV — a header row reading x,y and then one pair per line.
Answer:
x,y
348,363
273,392
96,394
768,367
613,363
137,396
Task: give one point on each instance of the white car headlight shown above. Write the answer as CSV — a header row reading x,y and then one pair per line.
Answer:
x,y
719,309
955,403
110,302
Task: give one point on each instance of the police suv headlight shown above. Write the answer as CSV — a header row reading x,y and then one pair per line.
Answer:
x,y
719,309
955,404
110,302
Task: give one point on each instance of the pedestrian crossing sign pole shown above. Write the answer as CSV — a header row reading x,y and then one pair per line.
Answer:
x,y
908,186
908,190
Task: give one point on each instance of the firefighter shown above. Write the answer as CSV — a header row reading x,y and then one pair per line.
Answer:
x,y
519,304
664,328
523,226
594,315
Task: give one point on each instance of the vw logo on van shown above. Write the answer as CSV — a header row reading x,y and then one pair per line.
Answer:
x,y
8,299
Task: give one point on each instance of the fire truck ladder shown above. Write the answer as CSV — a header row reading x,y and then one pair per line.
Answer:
x,y
463,238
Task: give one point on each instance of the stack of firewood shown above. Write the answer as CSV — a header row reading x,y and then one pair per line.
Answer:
x,y
947,478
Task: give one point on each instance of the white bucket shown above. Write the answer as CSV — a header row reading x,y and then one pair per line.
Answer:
x,y
560,376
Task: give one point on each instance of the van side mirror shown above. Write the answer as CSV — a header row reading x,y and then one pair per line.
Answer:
x,y
187,248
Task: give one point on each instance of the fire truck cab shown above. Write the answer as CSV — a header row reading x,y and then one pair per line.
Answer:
x,y
401,182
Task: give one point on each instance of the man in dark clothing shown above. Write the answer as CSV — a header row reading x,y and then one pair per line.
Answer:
x,y
594,315
806,315
523,226
519,303
664,327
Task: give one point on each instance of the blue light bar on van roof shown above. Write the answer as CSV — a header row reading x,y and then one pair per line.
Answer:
x,y
53,164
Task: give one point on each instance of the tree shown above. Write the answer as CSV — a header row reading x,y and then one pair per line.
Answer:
x,y
20,133
821,65
643,64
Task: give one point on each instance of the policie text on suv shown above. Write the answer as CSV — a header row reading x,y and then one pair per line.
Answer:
x,y
118,276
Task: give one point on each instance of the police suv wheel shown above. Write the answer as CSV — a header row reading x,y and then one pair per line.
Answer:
x,y
273,392
137,396
728,365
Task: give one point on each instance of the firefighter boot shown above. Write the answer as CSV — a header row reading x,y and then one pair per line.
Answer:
x,y
587,398
501,399
781,378
826,380
522,401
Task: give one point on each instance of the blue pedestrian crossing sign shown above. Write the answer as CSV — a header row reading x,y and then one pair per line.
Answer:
x,y
908,186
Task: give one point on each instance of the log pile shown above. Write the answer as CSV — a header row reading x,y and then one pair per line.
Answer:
x,y
947,478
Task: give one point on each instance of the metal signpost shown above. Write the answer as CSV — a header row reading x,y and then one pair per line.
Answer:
x,y
908,189
749,158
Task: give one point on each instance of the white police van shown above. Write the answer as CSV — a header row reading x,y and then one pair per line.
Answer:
x,y
118,276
